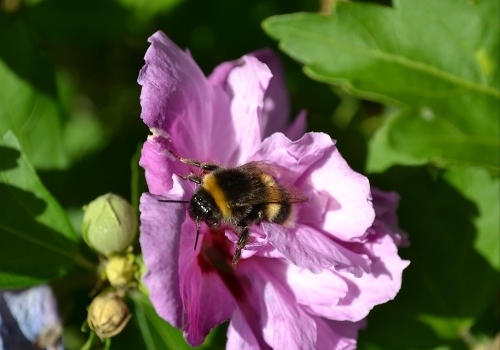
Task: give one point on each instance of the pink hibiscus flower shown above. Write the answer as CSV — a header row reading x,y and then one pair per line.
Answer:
x,y
303,287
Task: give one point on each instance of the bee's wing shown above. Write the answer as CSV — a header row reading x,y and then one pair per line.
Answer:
x,y
282,194
294,194
260,167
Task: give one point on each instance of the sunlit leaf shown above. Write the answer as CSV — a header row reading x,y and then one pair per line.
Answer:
x,y
479,186
436,60
383,154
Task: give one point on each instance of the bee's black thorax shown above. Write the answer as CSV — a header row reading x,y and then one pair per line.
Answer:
x,y
236,184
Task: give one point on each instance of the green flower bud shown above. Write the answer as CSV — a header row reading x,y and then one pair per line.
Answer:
x,y
120,270
108,315
109,224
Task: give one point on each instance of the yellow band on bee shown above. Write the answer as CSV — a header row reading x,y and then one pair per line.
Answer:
x,y
210,184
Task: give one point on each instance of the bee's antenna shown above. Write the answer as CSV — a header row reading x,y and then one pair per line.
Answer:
x,y
172,201
197,233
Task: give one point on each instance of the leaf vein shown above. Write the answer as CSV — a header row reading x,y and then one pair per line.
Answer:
x,y
40,243
401,60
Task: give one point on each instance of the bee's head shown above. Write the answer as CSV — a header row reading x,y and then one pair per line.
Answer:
x,y
202,208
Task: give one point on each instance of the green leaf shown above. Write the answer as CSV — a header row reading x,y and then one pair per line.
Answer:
x,y
28,104
104,22
480,187
382,155
55,124
157,333
448,284
137,182
82,132
149,331
437,60
37,242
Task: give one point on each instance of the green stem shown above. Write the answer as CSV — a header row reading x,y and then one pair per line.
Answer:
x,y
85,263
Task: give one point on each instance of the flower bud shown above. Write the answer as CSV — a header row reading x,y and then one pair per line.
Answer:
x,y
108,315
109,224
120,270
49,337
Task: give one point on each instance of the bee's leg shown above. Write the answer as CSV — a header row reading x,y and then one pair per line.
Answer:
x,y
203,166
240,245
194,162
209,167
192,177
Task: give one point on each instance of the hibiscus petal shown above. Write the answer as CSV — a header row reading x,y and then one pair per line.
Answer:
x,y
295,156
219,75
314,163
378,287
159,239
207,303
312,250
335,335
240,335
276,109
298,127
247,84
223,143
207,300
316,292
158,165
176,97
350,212
386,205
245,329
286,325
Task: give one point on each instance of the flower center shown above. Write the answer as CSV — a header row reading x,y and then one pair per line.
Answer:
x,y
215,257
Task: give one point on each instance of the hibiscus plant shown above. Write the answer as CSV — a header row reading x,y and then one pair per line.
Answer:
x,y
367,135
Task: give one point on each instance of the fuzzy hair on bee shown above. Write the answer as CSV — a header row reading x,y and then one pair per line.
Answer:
x,y
239,197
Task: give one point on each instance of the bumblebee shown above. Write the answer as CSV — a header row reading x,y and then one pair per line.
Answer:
x,y
239,197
